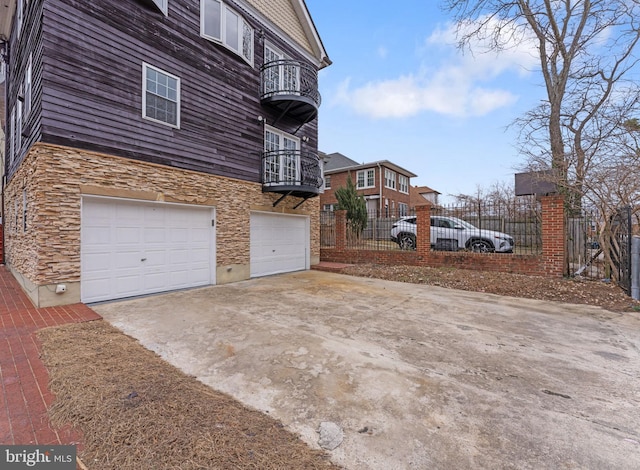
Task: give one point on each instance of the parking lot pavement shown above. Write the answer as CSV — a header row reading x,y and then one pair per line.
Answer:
x,y
414,376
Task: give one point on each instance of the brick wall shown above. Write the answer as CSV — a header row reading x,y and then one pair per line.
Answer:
x,y
550,263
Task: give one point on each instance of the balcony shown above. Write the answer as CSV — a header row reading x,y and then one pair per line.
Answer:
x,y
291,87
291,173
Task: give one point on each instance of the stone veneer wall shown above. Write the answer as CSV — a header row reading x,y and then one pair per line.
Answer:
x,y
53,179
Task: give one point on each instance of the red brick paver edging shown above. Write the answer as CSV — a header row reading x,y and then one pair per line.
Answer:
x,y
24,392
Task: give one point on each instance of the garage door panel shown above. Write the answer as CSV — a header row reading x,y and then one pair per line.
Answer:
x,y
279,243
133,248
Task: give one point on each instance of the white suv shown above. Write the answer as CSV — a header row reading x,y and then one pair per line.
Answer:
x,y
452,234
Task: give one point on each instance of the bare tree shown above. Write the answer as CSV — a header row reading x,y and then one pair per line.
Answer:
x,y
586,54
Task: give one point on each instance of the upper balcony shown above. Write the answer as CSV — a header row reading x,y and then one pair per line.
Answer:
x,y
291,87
292,173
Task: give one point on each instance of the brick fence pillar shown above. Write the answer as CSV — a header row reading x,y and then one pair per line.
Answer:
x,y
423,229
553,235
341,230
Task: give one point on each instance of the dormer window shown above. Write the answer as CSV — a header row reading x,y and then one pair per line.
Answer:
x,y
225,26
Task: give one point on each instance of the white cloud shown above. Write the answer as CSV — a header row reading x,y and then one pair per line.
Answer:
x,y
462,85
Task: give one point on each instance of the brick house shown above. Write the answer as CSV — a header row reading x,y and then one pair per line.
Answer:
x,y
421,194
384,185
155,145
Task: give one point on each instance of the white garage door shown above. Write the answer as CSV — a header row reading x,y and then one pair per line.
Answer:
x,y
132,248
279,243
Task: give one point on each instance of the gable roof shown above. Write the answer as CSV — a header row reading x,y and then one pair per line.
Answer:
x,y
292,18
424,189
336,160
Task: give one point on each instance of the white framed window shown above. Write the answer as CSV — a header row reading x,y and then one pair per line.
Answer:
x,y
403,184
389,179
224,25
366,178
327,181
163,6
283,78
12,136
27,87
403,209
161,96
282,161
329,207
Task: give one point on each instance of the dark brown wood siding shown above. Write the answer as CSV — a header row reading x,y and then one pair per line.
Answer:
x,y
91,86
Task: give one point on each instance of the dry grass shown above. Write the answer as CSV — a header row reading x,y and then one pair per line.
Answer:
x,y
138,412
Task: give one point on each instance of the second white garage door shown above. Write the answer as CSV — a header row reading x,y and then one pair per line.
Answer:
x,y
279,243
131,248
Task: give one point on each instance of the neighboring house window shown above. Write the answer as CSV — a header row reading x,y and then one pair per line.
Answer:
x,y
390,179
403,184
220,23
284,76
27,87
161,97
366,179
162,5
403,209
282,158
330,207
327,181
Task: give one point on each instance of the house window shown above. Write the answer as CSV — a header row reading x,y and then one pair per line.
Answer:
x,y
366,179
18,134
403,184
27,87
282,157
389,179
327,181
162,5
329,207
403,209
223,25
161,97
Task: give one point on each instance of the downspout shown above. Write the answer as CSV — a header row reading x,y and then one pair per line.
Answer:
x,y
4,58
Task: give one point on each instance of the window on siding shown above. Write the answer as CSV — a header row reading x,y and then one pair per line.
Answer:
x,y
390,179
224,25
284,78
163,6
27,87
161,97
366,179
403,184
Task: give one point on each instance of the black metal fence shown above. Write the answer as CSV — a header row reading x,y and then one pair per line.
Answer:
x,y
506,228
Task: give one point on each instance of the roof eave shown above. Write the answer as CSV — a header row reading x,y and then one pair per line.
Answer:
x,y
7,9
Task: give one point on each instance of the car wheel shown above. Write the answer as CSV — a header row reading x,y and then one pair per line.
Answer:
x,y
407,241
480,246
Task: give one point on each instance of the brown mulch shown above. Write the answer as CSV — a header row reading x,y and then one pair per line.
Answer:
x,y
136,411
568,290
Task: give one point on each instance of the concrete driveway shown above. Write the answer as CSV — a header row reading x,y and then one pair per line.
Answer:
x,y
414,376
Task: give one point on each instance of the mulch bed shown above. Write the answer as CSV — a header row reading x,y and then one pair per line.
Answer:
x,y
136,411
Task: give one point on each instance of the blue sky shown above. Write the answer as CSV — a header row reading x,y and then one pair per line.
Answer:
x,y
400,90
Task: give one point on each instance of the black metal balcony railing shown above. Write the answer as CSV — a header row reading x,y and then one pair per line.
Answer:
x,y
292,87
292,172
